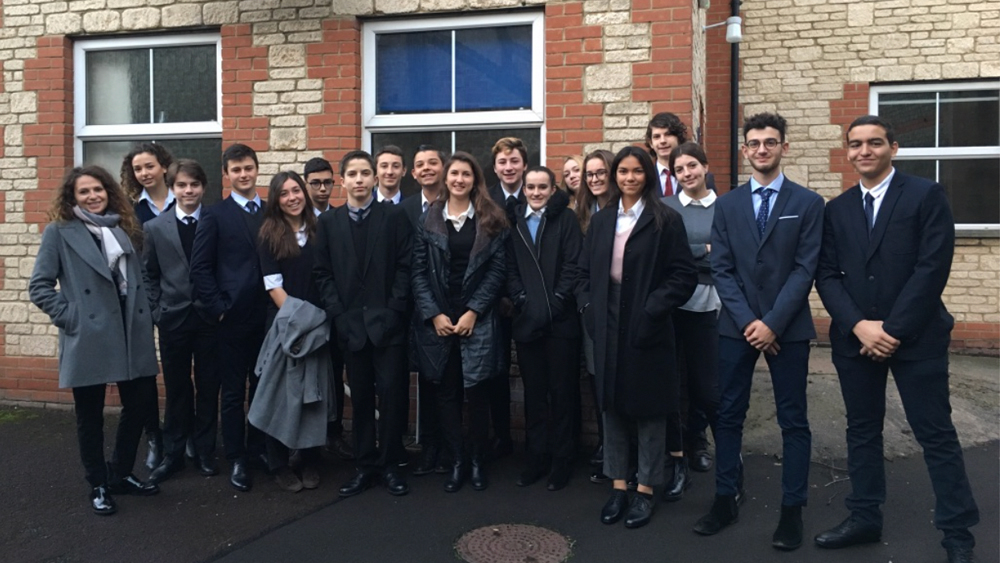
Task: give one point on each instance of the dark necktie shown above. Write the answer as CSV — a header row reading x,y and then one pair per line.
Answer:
x,y
765,209
870,212
511,204
358,215
425,205
190,220
252,207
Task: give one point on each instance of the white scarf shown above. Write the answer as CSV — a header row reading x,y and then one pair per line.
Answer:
x,y
114,242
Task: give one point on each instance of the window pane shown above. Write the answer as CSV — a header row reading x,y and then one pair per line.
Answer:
x,y
970,118
480,145
913,120
413,72
118,87
409,142
184,84
208,153
922,168
973,187
493,68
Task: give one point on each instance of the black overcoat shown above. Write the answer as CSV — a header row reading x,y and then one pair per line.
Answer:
x,y
658,275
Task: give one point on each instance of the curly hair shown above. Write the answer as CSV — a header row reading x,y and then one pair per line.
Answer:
x,y
132,187
118,202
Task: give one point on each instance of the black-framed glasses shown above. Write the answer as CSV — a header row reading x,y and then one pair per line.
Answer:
x,y
770,144
597,174
317,184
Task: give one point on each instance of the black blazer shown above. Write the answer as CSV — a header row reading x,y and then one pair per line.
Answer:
x,y
413,209
367,297
658,275
770,277
542,275
225,268
500,197
898,275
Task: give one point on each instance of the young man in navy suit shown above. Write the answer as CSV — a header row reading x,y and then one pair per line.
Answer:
x,y
187,331
888,244
766,237
389,171
226,275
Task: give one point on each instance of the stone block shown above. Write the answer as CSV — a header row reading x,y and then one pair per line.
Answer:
x,y
606,18
927,72
961,45
288,121
220,13
806,54
13,313
287,56
860,14
38,346
397,6
627,55
286,73
626,29
141,18
60,24
604,96
630,108
274,86
824,132
288,139
608,76
960,70
182,15
24,102
301,97
442,5
353,7
105,21
886,73
118,4
309,109
59,7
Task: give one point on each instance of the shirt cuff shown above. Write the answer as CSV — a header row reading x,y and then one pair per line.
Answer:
x,y
273,281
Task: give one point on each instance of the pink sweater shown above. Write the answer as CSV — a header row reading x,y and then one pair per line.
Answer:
x,y
618,254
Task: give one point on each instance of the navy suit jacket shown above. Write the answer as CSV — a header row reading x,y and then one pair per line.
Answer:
x,y
767,277
225,268
898,275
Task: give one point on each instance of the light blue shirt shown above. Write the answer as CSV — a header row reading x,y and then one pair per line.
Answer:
x,y
152,206
242,201
755,195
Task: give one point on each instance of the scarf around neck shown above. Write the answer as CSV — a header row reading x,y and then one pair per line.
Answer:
x,y
114,243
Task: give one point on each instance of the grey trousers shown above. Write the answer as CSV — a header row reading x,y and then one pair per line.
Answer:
x,y
652,433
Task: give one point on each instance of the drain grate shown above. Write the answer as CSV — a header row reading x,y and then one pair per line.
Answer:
x,y
513,543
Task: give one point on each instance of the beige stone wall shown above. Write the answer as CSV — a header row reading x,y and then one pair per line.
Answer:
x,y
798,54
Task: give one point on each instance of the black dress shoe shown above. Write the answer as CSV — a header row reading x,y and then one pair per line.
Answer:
x,y
678,481
163,471
340,448
699,458
240,478
477,475
129,485
532,473
961,555
154,452
427,462
597,458
598,477
101,501
457,477
206,466
560,476
723,513
614,509
190,451
849,532
788,536
640,510
358,484
395,483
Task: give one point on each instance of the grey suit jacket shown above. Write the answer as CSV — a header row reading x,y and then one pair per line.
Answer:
x,y
93,347
168,274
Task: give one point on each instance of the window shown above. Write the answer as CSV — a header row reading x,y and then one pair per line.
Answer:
x,y
950,132
160,89
457,83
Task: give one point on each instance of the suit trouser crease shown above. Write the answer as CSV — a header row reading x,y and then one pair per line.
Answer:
x,y
378,372
549,373
237,354
192,408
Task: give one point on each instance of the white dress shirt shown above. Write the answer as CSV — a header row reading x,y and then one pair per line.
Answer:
x,y
242,201
628,219
181,216
878,192
152,206
459,220
395,199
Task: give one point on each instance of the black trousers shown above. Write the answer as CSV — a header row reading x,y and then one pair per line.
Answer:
x,y
923,389
139,404
238,348
335,428
499,387
278,453
450,391
697,337
428,413
550,373
382,372
192,408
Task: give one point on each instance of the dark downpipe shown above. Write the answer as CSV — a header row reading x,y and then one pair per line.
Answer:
x,y
734,105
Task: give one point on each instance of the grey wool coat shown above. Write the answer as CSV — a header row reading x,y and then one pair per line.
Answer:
x,y
93,347
295,396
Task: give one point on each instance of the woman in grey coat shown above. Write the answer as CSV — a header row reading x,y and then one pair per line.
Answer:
x,y
105,329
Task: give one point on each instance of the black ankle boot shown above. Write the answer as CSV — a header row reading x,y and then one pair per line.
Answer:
x,y
678,480
457,477
788,536
478,476
723,513
154,456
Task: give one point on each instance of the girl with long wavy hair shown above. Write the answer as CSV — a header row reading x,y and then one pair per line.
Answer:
x,y
144,179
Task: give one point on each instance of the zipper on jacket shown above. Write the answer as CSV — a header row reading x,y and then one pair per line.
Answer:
x,y
534,258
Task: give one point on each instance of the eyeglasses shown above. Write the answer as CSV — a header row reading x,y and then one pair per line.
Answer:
x,y
597,174
317,184
768,143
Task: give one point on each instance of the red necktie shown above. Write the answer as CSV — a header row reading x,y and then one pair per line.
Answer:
x,y
668,186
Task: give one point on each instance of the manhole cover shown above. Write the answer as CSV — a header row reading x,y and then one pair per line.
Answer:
x,y
513,543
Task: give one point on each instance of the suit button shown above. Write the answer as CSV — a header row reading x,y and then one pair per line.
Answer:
x,y
760,288
91,316
164,308
364,308
760,261
140,311
86,292
874,309
871,278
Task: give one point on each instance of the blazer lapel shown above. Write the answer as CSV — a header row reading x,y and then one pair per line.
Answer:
x,y
78,238
375,219
344,234
645,219
780,202
745,201
173,237
885,212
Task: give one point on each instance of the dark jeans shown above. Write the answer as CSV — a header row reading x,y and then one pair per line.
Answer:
x,y
923,389
238,348
277,454
383,372
788,368
697,337
550,372
192,408
139,404
449,394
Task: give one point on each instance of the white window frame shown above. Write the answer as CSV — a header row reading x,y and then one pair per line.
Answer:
x,y
450,121
138,131
944,153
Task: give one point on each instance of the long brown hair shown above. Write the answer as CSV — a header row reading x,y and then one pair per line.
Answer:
x,y
132,187
275,231
490,217
118,203
585,199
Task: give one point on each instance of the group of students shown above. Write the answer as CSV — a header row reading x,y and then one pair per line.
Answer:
x,y
671,292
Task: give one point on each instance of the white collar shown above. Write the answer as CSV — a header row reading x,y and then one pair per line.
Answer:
x,y
242,201
166,203
528,211
635,211
660,168
459,220
181,215
395,198
706,201
516,193
775,185
879,190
